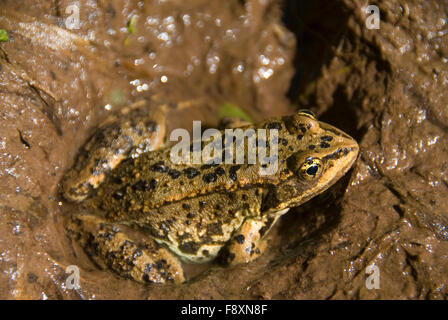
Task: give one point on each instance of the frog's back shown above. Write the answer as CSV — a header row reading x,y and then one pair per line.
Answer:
x,y
152,179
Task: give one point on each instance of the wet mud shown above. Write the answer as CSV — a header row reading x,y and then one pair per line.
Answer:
x,y
386,87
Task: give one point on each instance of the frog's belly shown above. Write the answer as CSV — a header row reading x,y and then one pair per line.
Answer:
x,y
201,247
205,252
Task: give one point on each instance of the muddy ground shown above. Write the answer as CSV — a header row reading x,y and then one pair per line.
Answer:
x,y
386,87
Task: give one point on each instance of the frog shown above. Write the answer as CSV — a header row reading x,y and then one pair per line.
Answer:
x,y
144,215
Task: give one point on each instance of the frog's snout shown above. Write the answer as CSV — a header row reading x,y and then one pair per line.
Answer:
x,y
341,150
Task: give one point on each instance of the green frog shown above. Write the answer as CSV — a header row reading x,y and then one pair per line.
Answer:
x,y
144,214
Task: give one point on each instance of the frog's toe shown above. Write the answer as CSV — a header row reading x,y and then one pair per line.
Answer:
x,y
109,247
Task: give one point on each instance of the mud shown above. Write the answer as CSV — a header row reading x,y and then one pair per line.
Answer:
x,y
387,87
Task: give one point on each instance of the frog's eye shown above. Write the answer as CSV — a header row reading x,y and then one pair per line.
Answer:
x,y
307,113
310,169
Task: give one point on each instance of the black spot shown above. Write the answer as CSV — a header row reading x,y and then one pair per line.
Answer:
x,y
311,146
174,174
324,144
334,156
159,167
152,184
244,197
209,177
275,125
229,257
220,171
284,142
266,227
252,246
326,138
202,204
205,252
214,228
232,172
186,206
190,215
191,172
189,247
239,238
159,264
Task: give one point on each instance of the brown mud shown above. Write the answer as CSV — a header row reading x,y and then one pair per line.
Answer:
x,y
386,87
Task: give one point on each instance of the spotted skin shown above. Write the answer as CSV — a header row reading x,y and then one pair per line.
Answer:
x,y
142,260
197,212
137,131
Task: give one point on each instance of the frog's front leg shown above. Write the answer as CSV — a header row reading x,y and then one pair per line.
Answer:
x,y
109,246
136,129
248,241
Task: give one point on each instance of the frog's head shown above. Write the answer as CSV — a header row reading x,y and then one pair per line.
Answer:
x,y
325,155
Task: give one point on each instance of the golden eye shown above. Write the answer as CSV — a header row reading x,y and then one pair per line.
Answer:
x,y
310,169
307,113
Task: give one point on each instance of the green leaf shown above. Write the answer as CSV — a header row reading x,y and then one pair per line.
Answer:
x,y
4,35
132,24
232,111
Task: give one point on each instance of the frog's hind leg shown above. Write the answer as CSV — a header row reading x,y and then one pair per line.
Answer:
x,y
136,129
248,242
144,261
